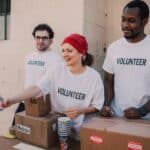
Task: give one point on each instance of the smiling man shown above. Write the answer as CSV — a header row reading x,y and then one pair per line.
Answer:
x,y
127,66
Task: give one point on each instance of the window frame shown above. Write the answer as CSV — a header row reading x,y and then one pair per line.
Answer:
x,y
5,12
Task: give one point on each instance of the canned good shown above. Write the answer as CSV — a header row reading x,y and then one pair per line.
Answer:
x,y
63,142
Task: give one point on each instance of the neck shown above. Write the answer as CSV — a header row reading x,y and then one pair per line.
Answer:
x,y
77,69
43,51
137,39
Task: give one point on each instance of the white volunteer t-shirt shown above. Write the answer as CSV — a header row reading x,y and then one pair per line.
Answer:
x,y
69,90
130,64
37,63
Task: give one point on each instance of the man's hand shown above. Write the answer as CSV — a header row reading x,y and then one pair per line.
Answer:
x,y
106,111
72,113
132,113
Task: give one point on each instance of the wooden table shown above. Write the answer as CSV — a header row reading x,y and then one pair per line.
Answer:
x,y
7,144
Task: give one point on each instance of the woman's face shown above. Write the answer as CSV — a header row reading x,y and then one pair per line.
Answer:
x,y
71,55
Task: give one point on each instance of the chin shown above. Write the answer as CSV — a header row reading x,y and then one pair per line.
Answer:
x,y
131,36
41,49
127,37
69,64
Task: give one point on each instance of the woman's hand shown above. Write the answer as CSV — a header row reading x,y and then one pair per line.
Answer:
x,y
72,113
5,103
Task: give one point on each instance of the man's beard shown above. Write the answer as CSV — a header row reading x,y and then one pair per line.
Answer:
x,y
132,36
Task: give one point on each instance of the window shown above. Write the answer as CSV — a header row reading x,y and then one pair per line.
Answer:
x,y
4,19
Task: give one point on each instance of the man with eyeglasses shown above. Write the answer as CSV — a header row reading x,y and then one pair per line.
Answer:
x,y
38,62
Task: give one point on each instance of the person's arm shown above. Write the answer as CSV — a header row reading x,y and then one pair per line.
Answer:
x,y
26,94
136,113
107,111
108,88
75,112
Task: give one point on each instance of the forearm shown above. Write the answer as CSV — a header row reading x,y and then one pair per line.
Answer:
x,y
108,89
75,112
26,94
87,110
109,94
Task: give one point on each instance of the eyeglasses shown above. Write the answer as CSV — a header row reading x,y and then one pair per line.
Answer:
x,y
44,38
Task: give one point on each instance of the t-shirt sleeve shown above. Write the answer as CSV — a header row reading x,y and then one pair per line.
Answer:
x,y
45,83
98,98
108,64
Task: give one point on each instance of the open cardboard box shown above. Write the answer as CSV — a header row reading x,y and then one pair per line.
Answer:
x,y
39,106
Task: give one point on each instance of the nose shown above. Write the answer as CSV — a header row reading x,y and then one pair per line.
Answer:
x,y
40,40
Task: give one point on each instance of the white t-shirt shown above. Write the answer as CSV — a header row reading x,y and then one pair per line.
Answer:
x,y
130,64
37,63
70,90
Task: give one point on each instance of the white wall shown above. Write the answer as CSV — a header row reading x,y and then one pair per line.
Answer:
x,y
64,16
94,29
98,20
113,25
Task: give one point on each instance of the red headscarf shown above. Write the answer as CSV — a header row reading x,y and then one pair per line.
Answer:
x,y
78,42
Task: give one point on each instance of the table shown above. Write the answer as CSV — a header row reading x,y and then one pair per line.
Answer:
x,y
7,144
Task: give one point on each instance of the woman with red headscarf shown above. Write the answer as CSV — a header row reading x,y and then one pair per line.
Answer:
x,y
76,89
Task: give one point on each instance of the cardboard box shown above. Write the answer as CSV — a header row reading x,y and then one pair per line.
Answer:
x,y
38,131
115,134
38,107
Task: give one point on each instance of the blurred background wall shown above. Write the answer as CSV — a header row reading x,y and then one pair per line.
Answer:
x,y
98,20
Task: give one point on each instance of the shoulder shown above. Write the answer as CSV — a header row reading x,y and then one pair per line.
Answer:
x,y
94,74
56,69
55,55
147,38
30,55
117,43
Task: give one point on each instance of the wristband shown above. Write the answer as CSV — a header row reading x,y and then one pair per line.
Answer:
x,y
142,111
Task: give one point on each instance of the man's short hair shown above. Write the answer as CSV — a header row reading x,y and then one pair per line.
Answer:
x,y
143,8
42,27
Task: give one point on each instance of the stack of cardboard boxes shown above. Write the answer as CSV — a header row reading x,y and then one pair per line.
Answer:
x,y
37,125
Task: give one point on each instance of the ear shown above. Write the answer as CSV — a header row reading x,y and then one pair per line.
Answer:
x,y
50,41
145,21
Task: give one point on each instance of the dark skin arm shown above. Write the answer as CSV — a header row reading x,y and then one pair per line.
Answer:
x,y
107,111
134,113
